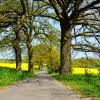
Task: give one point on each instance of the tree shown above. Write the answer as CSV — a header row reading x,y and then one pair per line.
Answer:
x,y
48,35
78,18
42,55
21,20
28,9
10,15
16,45
70,14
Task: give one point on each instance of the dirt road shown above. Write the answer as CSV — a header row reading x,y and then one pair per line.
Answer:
x,y
40,87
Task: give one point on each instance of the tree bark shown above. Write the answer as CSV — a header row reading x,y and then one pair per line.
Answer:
x,y
17,50
30,54
65,49
18,58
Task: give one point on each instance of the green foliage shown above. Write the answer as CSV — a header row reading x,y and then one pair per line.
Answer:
x,y
44,55
50,70
87,77
7,61
10,76
83,62
88,85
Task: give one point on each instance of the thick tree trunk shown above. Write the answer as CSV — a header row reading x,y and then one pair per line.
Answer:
x,y
30,56
65,53
18,58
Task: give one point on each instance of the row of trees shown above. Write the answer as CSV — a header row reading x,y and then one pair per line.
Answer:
x,y
79,19
22,28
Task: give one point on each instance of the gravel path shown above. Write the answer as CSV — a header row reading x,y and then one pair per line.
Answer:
x,y
40,87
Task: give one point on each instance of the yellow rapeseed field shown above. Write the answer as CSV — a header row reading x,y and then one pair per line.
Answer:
x,y
12,65
82,70
74,70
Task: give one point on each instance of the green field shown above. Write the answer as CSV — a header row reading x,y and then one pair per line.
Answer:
x,y
10,76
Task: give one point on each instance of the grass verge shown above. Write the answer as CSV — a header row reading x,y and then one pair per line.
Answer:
x,y
87,85
10,76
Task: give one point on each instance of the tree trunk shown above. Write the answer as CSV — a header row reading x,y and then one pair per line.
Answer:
x,y
41,65
18,58
65,49
51,60
30,56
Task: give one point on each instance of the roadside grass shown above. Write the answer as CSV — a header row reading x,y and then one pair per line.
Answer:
x,y
87,85
10,76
